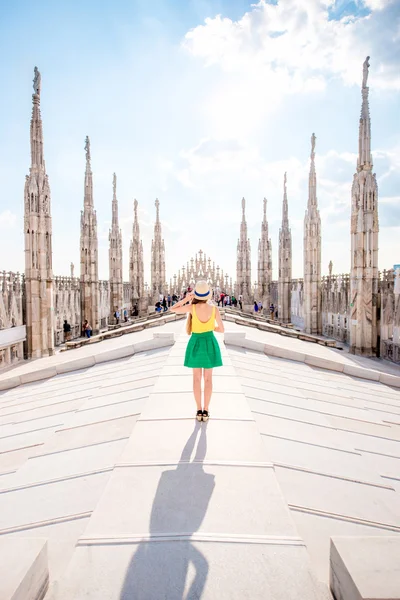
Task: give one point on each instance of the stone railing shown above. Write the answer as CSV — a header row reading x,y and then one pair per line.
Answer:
x,y
12,329
390,316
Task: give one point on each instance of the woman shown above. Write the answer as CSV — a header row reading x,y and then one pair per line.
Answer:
x,y
87,329
255,307
202,352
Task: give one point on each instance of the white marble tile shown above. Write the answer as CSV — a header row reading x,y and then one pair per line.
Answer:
x,y
168,440
65,464
340,497
191,497
153,571
33,504
184,383
171,405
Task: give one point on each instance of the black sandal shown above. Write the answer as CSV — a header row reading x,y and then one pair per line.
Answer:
x,y
199,415
205,415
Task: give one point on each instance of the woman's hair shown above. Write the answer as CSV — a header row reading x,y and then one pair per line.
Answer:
x,y
189,317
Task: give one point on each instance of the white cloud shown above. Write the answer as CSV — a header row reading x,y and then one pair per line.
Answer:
x,y
292,46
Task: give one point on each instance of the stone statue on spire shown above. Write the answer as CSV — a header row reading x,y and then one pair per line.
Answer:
x,y
313,138
114,185
365,72
87,148
243,205
37,82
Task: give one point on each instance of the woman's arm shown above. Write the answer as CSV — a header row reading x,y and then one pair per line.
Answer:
x,y
182,306
220,326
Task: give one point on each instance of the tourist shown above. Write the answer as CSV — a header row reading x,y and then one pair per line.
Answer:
x,y
202,352
169,300
222,299
255,307
117,316
125,315
174,299
158,307
87,329
67,331
272,311
260,307
135,312
164,304
241,301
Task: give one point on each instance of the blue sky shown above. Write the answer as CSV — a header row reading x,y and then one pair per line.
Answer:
x,y
199,103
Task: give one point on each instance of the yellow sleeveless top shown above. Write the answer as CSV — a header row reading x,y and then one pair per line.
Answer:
x,y
200,327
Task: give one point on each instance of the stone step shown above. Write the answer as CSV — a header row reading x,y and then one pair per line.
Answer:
x,y
362,568
24,573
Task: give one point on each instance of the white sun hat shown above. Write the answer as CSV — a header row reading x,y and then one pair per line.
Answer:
x,y
202,290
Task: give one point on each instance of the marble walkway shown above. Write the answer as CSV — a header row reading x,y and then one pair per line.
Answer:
x,y
191,510
139,501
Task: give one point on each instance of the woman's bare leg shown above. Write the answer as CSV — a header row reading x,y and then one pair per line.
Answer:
x,y
197,387
207,387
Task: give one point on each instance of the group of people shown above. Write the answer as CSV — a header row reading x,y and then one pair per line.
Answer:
x,y
165,302
258,309
226,300
86,330
119,313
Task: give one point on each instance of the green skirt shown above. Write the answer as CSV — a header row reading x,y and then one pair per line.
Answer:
x,y
202,351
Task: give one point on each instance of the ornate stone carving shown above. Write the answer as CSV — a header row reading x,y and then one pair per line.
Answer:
x,y
115,257
364,240
136,265
264,261
38,246
158,280
312,254
201,268
89,278
243,263
285,262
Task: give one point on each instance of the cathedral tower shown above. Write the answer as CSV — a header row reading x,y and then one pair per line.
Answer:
x,y
136,267
285,263
115,256
89,252
243,264
38,244
264,262
312,255
364,239
158,281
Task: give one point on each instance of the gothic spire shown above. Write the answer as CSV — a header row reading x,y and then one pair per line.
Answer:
x,y
115,203
364,139
285,209
157,205
37,159
312,181
88,200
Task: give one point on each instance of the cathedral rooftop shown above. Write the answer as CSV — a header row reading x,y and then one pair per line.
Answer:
x,y
137,500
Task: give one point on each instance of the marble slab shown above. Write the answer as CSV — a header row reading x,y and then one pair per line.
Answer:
x,y
186,498
24,571
172,405
65,464
340,497
169,440
184,383
182,569
92,433
365,567
25,507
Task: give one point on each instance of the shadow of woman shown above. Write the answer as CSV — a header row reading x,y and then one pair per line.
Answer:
x,y
159,568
